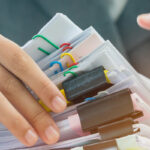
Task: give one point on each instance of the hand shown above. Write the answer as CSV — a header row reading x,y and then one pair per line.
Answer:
x,y
144,21
19,111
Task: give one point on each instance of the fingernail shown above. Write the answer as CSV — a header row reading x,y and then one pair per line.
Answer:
x,y
51,134
58,104
146,17
31,137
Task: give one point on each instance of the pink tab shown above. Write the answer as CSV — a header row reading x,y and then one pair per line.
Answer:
x,y
74,122
139,104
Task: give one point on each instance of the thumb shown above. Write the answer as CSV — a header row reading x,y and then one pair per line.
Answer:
x,y
144,21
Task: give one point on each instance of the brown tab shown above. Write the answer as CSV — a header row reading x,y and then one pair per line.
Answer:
x,y
100,145
105,110
117,129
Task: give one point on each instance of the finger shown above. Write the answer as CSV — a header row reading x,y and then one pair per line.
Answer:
x,y
16,123
29,108
144,21
19,63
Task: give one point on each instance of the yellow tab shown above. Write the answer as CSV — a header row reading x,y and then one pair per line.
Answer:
x,y
48,109
63,93
44,106
107,79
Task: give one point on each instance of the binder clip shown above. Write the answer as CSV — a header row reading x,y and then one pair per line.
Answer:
x,y
111,116
86,85
108,115
124,143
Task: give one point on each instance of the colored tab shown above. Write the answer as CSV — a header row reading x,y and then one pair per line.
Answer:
x,y
48,109
63,93
44,106
107,79
90,98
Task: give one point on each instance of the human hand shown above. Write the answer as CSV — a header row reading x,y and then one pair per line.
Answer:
x,y
144,21
19,111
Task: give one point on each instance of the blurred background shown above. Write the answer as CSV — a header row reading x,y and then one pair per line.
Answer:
x,y
113,19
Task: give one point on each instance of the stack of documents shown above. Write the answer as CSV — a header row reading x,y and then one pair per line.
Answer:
x,y
108,101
